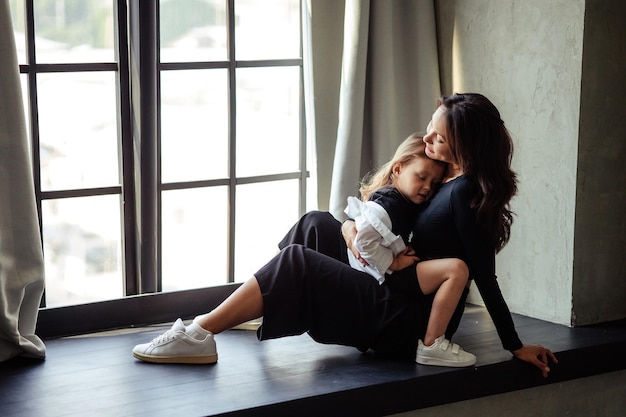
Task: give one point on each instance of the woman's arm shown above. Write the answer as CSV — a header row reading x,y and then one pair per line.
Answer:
x,y
481,261
480,258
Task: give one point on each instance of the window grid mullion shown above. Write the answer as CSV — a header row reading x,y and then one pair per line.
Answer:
x,y
159,211
34,115
232,140
125,147
302,131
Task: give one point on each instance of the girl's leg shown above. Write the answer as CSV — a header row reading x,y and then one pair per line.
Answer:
x,y
245,304
447,278
455,321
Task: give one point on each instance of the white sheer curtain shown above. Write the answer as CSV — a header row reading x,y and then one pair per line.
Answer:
x,y
21,258
376,79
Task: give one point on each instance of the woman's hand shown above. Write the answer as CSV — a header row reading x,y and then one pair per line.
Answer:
x,y
404,259
348,231
536,355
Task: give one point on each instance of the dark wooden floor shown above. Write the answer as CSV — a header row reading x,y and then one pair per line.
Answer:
x,y
95,374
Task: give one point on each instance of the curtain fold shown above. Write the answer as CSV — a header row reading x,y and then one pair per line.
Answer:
x,y
386,90
309,110
351,140
21,257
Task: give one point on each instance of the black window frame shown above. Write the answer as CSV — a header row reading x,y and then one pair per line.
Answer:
x,y
137,52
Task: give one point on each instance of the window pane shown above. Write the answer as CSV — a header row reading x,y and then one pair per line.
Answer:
x,y
265,212
19,29
24,85
195,225
82,250
194,125
193,30
74,31
267,32
268,120
78,130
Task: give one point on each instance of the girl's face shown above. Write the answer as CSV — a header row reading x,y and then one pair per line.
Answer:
x,y
417,179
436,139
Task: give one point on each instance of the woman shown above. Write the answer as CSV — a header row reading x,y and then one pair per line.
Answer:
x,y
469,217
303,290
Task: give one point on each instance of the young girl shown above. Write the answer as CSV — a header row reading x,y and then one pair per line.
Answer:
x,y
383,219
389,201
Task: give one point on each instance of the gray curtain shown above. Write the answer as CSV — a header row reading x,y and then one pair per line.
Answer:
x,y
376,79
21,257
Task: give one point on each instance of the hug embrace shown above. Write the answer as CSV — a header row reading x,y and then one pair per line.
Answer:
x,y
394,279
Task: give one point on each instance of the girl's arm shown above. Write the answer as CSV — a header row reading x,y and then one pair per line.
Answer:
x,y
348,231
369,244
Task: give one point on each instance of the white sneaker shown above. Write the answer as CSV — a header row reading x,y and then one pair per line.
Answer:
x,y
443,353
179,345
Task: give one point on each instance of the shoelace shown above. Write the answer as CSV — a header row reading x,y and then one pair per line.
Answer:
x,y
168,335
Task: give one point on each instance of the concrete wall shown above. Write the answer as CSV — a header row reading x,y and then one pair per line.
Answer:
x,y
528,58
599,290
555,69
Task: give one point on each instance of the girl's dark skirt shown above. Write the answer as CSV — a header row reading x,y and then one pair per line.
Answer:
x,y
309,290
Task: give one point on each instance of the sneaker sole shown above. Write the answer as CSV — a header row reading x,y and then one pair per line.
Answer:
x,y
441,362
207,359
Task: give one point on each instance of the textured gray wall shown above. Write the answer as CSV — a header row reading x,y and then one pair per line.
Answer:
x,y
555,69
599,288
526,56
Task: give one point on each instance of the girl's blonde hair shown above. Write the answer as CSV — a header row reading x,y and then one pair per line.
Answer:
x,y
411,148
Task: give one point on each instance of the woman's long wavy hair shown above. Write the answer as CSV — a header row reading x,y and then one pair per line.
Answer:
x,y
483,147
411,148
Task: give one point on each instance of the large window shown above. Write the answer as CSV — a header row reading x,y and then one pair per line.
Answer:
x,y
226,160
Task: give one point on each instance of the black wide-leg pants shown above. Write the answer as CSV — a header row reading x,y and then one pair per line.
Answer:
x,y
309,287
320,231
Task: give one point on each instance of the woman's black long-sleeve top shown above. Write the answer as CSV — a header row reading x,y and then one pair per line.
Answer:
x,y
446,227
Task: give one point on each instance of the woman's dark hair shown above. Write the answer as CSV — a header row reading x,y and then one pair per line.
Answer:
x,y
482,146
